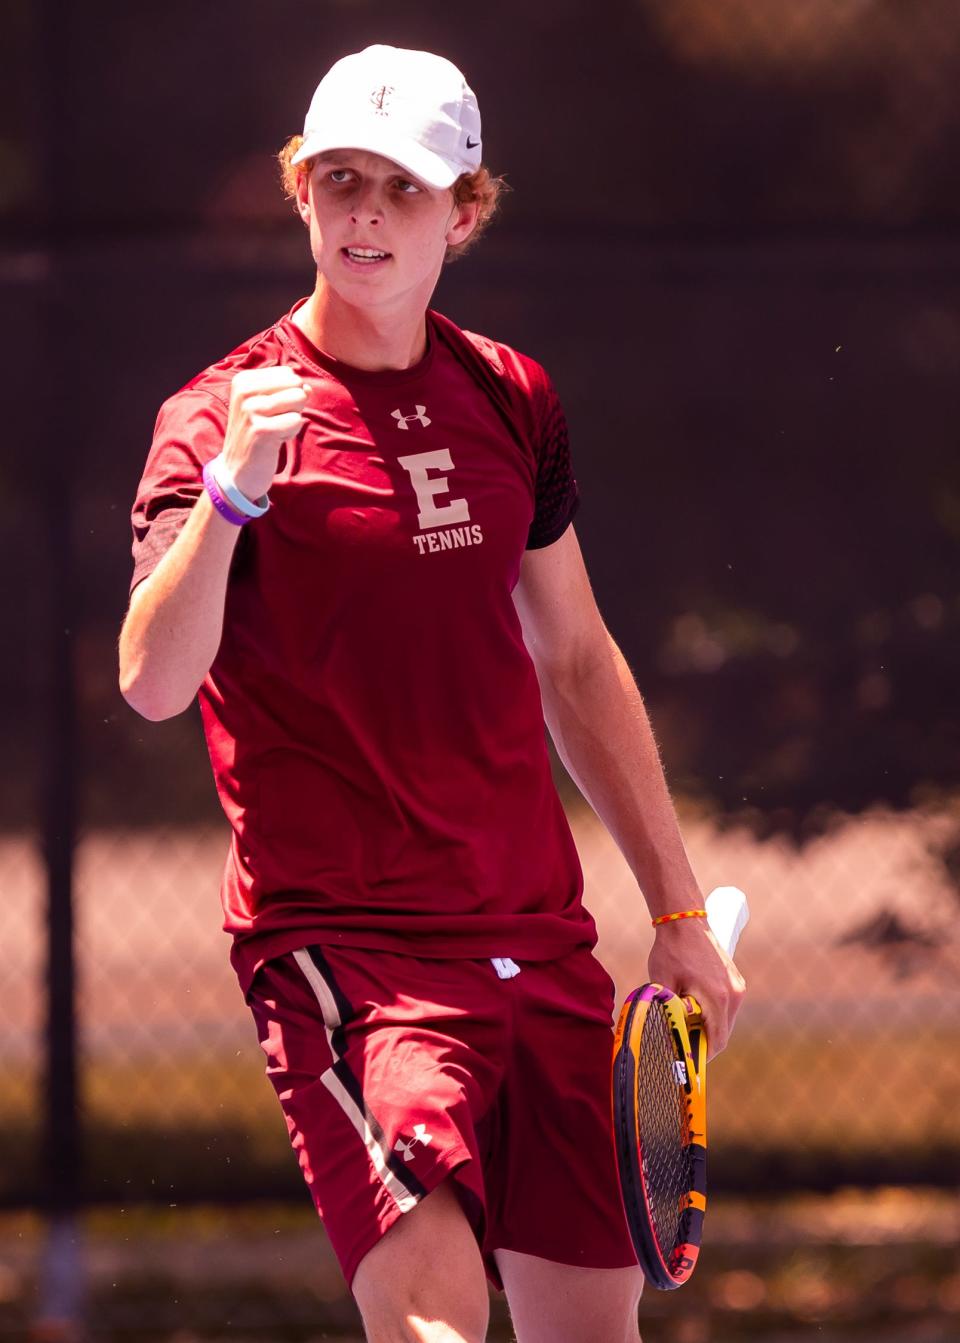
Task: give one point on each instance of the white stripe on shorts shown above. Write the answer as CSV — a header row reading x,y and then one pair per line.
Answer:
x,y
398,1192
321,991
376,1151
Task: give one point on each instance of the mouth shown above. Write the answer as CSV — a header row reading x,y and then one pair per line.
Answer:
x,y
364,257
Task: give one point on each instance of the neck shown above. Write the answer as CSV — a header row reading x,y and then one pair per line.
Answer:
x,y
372,339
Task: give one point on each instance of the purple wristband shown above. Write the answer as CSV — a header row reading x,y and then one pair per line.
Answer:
x,y
218,501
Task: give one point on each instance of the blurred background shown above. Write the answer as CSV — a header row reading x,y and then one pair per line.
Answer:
x,y
732,238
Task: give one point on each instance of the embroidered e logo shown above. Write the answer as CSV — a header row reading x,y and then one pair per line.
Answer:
x,y
427,488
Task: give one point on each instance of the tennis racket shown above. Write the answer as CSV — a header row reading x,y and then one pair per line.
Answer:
x,y
659,1112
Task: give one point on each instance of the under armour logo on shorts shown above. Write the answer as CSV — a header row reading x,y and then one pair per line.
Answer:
x,y
403,421
420,1134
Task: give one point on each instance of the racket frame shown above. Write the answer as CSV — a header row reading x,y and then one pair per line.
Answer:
x,y
670,1269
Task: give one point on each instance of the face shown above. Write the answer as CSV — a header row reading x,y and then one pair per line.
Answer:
x,y
377,234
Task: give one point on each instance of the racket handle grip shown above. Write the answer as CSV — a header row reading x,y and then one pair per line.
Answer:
x,y
727,915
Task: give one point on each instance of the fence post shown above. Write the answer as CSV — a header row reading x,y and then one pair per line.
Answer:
x,y
60,1271
61,1286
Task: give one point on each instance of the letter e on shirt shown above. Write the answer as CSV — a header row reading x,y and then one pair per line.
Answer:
x,y
427,487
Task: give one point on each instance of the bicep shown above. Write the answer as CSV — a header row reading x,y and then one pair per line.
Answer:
x,y
562,626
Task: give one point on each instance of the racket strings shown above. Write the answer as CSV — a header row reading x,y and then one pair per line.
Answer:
x,y
665,1136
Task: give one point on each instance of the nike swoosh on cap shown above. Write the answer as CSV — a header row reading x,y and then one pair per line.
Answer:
x,y
472,144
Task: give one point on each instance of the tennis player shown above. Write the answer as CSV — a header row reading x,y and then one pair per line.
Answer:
x,y
353,537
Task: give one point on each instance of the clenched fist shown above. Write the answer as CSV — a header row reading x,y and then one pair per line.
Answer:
x,y
266,411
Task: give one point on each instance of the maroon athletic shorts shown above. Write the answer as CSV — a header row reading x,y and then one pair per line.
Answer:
x,y
395,1072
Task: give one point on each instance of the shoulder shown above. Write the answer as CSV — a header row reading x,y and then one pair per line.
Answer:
x,y
520,368
209,390
524,377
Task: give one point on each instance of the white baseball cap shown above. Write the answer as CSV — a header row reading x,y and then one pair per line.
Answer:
x,y
410,106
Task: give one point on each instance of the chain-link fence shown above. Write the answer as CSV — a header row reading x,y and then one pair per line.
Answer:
x,y
844,1067
732,240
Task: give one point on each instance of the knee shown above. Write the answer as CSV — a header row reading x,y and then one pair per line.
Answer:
x,y
425,1316
439,1306
424,1282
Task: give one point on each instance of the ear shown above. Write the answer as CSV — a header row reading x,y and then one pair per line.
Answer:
x,y
462,222
303,196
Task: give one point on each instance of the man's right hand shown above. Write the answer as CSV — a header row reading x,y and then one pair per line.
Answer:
x,y
266,411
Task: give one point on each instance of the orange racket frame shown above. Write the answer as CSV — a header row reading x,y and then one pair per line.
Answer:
x,y
665,1267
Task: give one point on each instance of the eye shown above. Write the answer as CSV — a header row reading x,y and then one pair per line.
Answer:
x,y
338,175
407,187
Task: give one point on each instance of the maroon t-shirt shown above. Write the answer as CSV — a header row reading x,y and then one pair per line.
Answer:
x,y
373,717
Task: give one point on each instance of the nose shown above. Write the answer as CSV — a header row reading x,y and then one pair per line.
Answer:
x,y
367,207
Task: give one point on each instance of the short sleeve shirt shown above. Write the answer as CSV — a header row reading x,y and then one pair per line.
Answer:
x,y
372,716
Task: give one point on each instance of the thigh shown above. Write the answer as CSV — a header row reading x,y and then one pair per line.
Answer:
x,y
379,1092
553,1190
560,1303
425,1278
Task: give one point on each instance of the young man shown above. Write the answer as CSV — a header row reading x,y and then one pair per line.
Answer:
x,y
376,647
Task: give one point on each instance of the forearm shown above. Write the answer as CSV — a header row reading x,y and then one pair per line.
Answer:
x,y
175,622
600,728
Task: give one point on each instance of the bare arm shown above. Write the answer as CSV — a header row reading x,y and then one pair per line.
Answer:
x,y
175,621
602,733
172,630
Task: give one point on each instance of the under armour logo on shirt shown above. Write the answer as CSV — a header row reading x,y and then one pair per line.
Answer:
x,y
420,1134
403,421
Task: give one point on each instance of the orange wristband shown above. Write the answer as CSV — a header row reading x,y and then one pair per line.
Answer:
x,y
683,914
